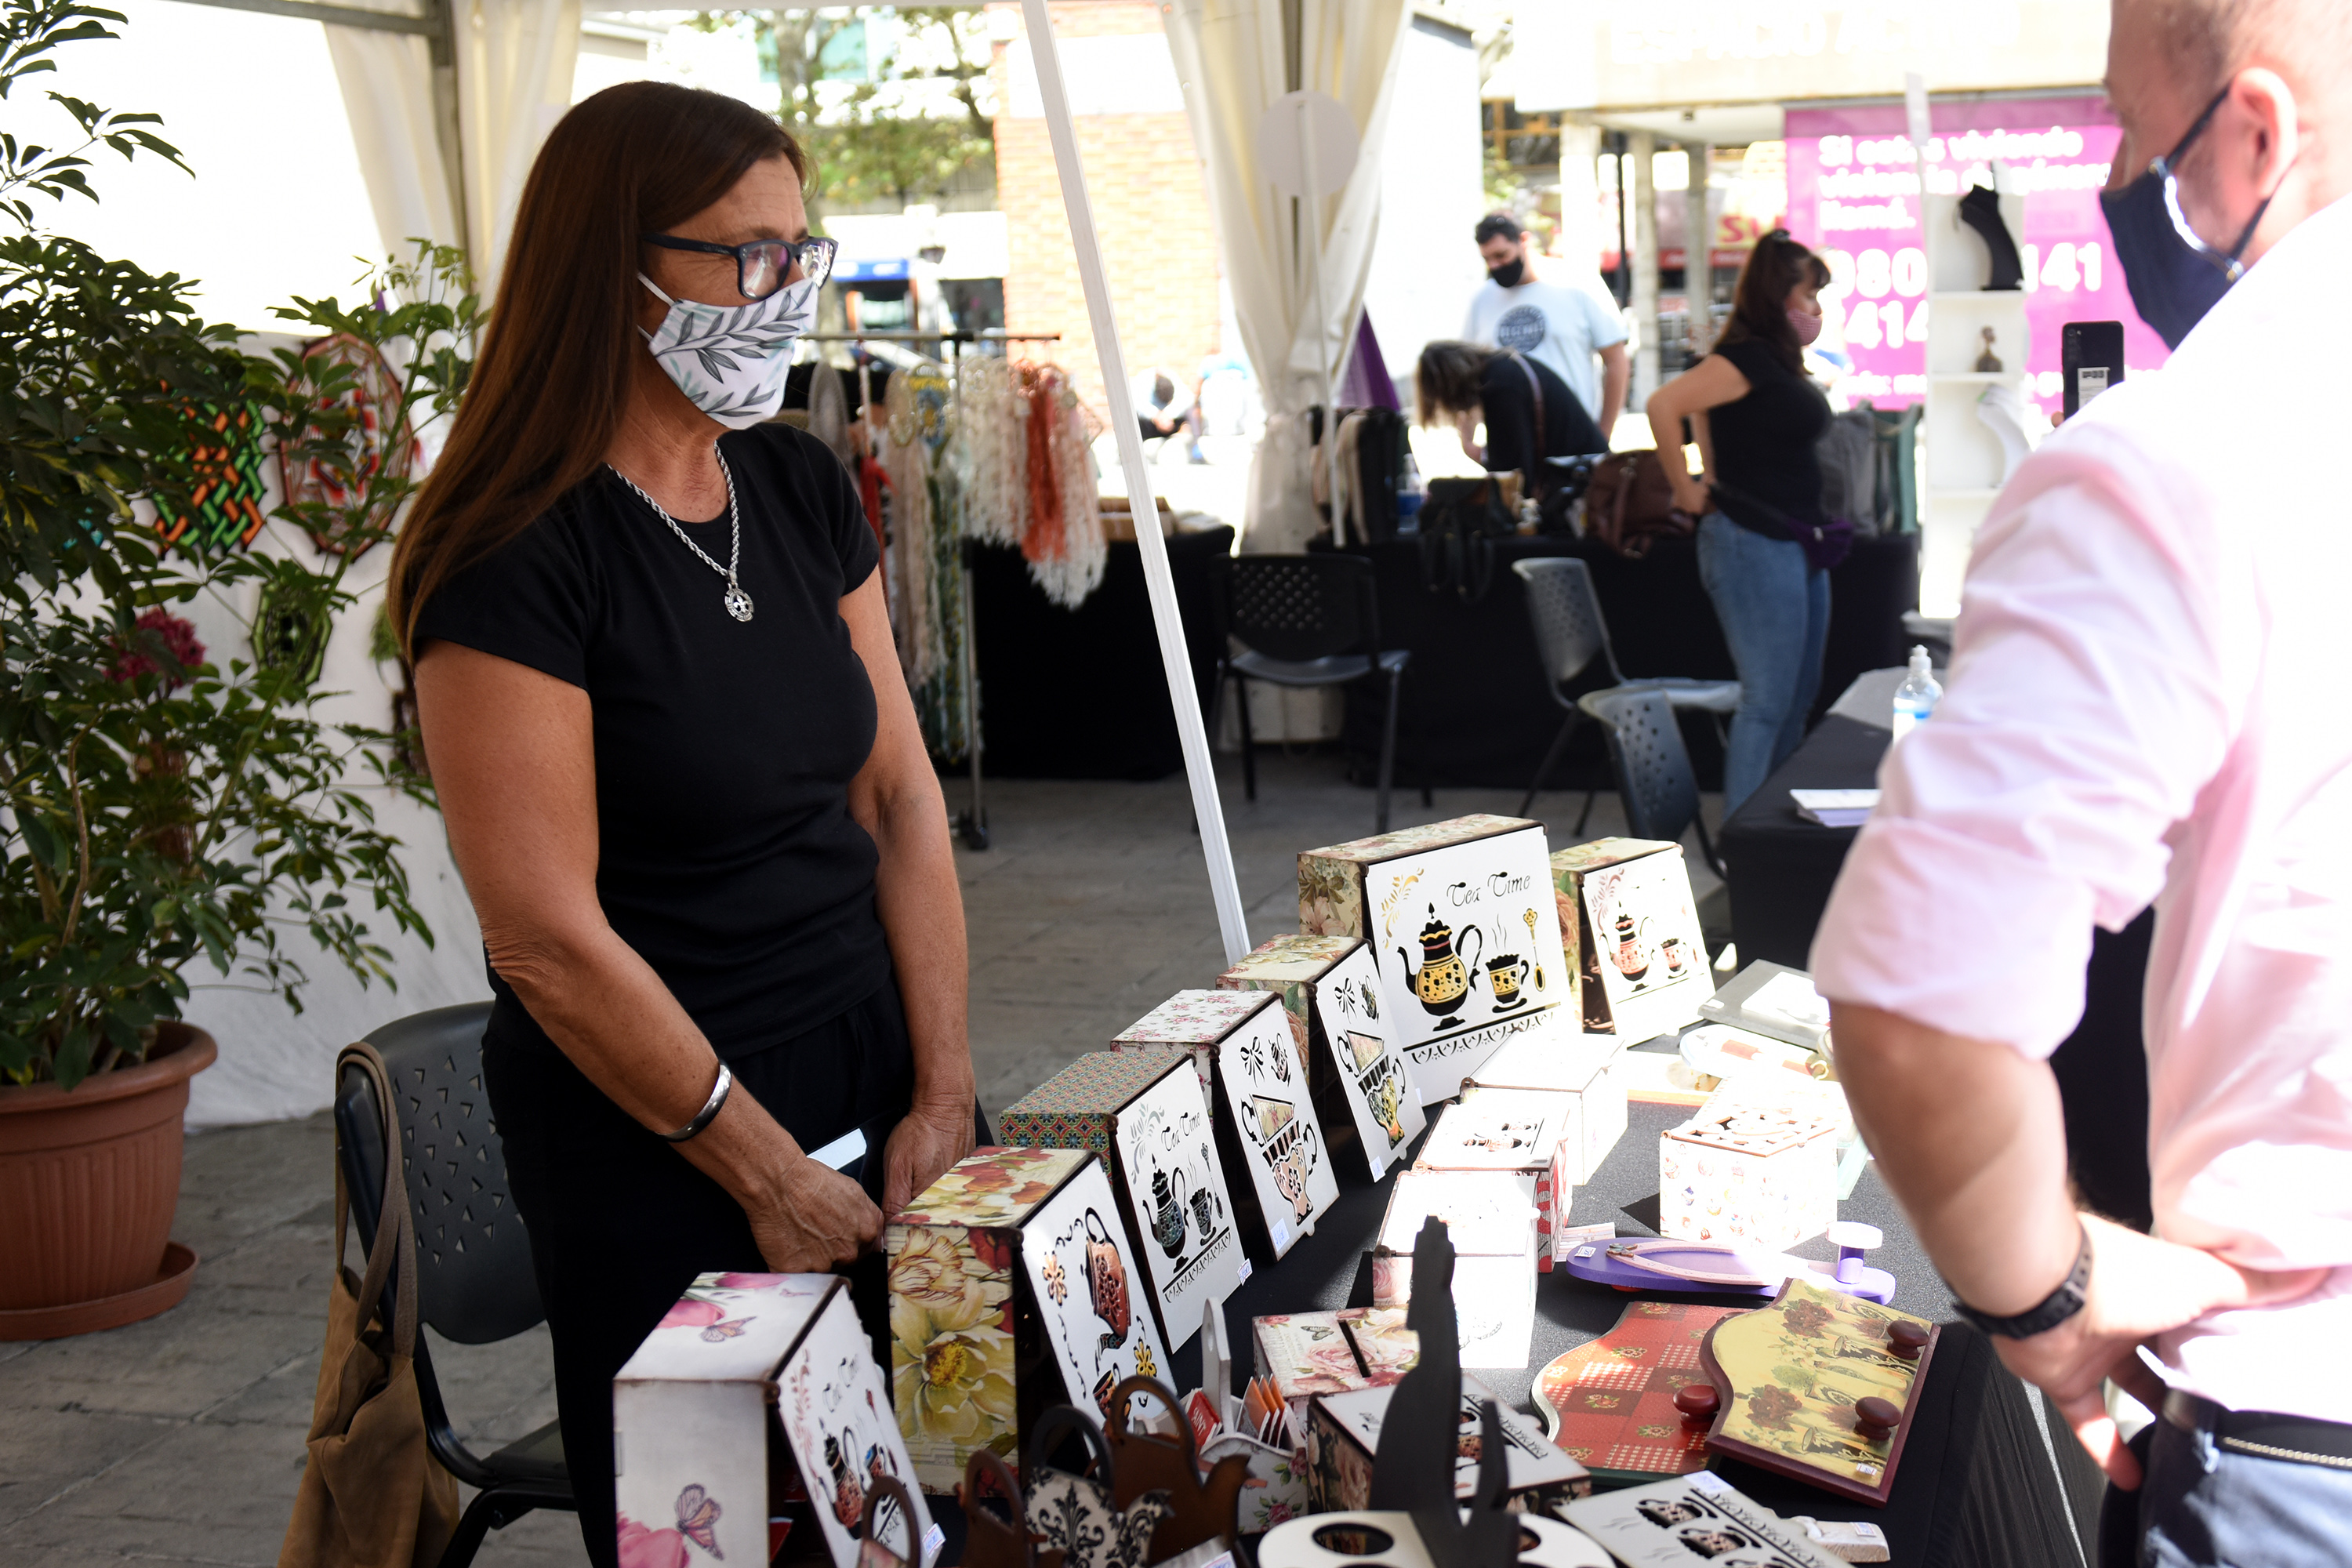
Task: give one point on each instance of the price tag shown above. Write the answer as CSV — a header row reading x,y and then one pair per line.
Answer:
x,y
1281,1237
934,1539
1710,1483
1243,1275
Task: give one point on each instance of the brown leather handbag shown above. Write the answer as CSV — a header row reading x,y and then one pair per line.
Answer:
x,y
371,1495
1630,505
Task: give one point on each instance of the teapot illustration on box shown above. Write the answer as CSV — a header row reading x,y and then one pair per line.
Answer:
x,y
1443,979
1631,959
1167,1201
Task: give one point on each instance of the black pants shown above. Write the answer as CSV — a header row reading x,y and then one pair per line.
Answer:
x,y
620,1224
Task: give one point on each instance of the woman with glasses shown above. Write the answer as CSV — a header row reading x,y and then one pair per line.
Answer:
x,y
680,767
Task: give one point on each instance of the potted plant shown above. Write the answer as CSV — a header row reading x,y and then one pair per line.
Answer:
x,y
162,804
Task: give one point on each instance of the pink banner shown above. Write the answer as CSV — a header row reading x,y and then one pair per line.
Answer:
x,y
1853,196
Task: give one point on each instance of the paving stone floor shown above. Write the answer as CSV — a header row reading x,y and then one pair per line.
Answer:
x,y
181,1439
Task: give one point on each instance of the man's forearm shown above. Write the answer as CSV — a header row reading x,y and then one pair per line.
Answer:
x,y
1616,375
1970,1136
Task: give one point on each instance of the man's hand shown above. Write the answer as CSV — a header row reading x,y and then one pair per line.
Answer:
x,y
2140,1287
818,1218
926,1141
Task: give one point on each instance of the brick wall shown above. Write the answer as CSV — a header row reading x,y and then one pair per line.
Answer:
x,y
1152,211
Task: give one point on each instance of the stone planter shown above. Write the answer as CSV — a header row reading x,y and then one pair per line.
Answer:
x,y
89,1179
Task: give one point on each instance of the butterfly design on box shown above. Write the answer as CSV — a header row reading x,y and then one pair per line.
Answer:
x,y
697,1518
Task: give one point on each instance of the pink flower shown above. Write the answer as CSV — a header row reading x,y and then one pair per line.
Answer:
x,y
178,636
747,1281
644,1548
692,1314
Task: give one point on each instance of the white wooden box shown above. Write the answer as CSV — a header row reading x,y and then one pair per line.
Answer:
x,y
1464,932
1586,1070
1645,962
1492,1226
1756,1164
749,1378
1521,1130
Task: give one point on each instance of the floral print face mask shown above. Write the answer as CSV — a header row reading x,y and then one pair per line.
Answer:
x,y
730,361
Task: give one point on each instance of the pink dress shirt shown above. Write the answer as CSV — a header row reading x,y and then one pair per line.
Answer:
x,y
2150,700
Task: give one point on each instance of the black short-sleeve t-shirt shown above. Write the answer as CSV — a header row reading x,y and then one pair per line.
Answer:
x,y
1764,442
727,856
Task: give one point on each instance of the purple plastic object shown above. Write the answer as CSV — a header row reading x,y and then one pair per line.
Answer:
x,y
1713,1268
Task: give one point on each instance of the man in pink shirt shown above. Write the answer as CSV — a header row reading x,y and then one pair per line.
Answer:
x,y
2148,704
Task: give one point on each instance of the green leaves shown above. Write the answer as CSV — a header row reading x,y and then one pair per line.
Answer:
x,y
30,32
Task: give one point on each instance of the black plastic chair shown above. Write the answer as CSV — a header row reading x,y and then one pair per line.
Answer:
x,y
475,1284
1309,621
1570,634
1652,766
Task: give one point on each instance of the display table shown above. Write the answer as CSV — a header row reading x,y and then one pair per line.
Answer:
x,y
1079,694
1475,710
1978,1484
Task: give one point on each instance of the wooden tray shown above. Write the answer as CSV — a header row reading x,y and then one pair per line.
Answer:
x,y
1610,1404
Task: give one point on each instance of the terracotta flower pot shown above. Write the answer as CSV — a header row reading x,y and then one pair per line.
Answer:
x,y
89,1179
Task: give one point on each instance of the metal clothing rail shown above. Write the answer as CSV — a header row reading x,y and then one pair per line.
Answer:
x,y
971,826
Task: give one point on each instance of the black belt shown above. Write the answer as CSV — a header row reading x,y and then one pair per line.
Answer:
x,y
2263,1433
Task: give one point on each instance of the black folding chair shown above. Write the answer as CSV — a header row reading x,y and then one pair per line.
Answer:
x,y
1652,766
1570,635
1307,621
474,1279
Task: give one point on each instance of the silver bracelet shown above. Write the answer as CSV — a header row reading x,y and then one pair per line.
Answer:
x,y
709,1107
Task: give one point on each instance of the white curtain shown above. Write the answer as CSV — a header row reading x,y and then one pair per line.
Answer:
x,y
515,60
387,83
1231,57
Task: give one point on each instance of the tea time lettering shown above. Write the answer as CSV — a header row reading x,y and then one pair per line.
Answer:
x,y
1500,885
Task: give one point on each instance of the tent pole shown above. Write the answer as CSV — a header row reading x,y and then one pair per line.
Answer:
x,y
1174,655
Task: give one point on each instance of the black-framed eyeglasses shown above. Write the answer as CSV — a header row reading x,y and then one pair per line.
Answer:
x,y
763,265
2167,169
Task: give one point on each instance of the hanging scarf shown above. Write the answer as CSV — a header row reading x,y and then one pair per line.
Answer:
x,y
993,446
1063,543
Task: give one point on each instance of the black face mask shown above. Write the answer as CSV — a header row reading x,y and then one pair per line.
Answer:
x,y
1509,273
2175,276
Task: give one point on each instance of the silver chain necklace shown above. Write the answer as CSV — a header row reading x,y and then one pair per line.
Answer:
x,y
738,603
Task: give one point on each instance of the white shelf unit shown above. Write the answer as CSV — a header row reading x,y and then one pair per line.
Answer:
x,y
1965,462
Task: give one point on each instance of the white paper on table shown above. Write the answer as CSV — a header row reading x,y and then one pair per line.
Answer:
x,y
1792,999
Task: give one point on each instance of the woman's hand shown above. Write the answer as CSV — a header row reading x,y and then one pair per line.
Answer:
x,y
818,1218
926,1141
1692,495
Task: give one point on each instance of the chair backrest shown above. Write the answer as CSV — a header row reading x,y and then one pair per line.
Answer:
x,y
1302,606
1566,612
474,1278
1653,768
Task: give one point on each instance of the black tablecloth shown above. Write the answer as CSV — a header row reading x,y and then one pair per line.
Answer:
x,y
1079,694
1477,710
1978,1485
1782,869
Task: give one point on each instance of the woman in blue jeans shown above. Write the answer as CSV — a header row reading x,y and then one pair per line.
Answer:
x,y
1755,417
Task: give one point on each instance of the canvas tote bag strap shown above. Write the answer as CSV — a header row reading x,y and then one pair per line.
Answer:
x,y
393,1229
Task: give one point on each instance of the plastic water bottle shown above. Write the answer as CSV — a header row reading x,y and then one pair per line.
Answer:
x,y
1918,696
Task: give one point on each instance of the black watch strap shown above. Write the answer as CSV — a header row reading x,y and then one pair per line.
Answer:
x,y
2053,1309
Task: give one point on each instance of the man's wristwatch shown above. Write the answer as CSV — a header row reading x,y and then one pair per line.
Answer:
x,y
2054,1309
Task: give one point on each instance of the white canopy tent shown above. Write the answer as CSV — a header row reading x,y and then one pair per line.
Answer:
x,y
1236,57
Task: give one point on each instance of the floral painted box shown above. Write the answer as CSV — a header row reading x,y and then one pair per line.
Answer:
x,y
1464,933
1752,1167
1357,1077
751,1381
1625,906
1586,1070
1012,1287
1191,1023
1343,1432
1145,1113
1307,1353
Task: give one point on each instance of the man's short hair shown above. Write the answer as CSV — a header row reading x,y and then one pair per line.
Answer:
x,y
1498,225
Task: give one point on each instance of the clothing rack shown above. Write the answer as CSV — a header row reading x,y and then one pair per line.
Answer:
x,y
971,823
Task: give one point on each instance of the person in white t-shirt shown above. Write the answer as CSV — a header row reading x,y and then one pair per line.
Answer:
x,y
1564,328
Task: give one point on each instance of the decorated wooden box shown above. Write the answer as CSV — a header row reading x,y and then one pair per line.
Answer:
x,y
1343,1432
1331,993
1492,1225
1191,1023
749,1381
1643,963
1144,1113
1307,1353
1522,1130
1013,1286
1267,1126
1588,1070
1462,932
1756,1164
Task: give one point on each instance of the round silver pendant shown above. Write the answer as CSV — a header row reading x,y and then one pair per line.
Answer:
x,y
738,603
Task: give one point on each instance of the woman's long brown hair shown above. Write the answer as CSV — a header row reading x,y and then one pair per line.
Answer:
x,y
1759,302
547,390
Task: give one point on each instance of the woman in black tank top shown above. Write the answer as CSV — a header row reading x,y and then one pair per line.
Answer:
x,y
1755,417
